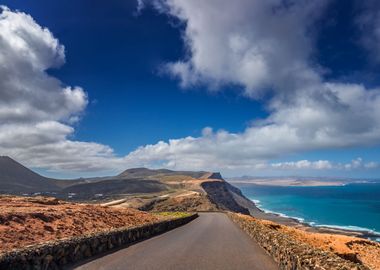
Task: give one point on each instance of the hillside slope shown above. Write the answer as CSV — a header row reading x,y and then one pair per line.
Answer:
x,y
16,178
113,187
141,188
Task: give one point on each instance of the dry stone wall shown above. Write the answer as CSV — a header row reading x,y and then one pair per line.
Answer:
x,y
291,254
56,255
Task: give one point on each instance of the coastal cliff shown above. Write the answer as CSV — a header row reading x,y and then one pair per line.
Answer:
x,y
222,195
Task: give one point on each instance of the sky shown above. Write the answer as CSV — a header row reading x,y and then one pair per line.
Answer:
x,y
245,87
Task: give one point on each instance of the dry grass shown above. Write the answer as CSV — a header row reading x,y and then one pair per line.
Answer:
x,y
366,251
28,221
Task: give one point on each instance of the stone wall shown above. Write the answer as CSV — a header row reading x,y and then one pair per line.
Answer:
x,y
291,254
55,255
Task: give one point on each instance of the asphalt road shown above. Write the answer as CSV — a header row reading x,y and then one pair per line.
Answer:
x,y
211,241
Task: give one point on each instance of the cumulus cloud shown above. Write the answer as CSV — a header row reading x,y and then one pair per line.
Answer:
x,y
304,164
261,46
264,46
28,93
36,109
355,164
256,44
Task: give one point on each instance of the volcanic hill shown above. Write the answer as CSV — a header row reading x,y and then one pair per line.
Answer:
x,y
140,188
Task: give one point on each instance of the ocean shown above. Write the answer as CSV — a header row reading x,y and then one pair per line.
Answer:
x,y
352,206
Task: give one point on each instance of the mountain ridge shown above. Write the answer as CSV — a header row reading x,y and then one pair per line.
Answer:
x,y
142,188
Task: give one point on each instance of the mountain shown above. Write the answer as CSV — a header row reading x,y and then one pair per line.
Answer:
x,y
16,178
112,187
141,188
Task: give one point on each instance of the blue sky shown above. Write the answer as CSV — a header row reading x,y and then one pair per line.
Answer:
x,y
147,75
115,56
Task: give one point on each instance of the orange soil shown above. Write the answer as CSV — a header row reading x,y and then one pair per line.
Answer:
x,y
368,252
26,221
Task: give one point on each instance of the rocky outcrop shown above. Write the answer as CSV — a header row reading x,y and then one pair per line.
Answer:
x,y
215,175
291,254
220,194
55,255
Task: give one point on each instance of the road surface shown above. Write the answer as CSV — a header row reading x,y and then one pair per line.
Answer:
x,y
211,241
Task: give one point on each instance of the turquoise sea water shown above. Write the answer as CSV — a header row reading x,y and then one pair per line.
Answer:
x,y
353,206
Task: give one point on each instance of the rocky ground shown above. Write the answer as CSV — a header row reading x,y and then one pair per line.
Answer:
x,y
32,220
350,248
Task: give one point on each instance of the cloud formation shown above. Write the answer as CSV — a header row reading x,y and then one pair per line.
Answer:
x,y
28,93
355,164
258,45
264,47
37,110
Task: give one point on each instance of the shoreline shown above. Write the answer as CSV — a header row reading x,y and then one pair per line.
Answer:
x,y
283,219
290,183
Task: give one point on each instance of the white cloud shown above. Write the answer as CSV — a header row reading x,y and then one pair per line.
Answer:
x,y
257,45
356,164
372,165
28,93
264,45
304,164
36,109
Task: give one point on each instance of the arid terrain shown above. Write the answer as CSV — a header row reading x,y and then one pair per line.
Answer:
x,y
140,196
350,248
26,221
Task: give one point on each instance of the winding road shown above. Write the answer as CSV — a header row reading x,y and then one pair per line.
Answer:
x,y
211,241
